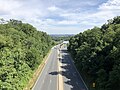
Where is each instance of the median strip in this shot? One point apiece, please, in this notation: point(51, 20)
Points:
point(60, 77)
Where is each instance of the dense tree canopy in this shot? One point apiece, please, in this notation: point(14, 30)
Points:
point(61, 37)
point(22, 48)
point(96, 52)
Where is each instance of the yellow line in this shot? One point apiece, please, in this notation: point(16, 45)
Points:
point(57, 70)
point(60, 77)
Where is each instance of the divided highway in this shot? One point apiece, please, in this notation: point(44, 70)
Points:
point(59, 73)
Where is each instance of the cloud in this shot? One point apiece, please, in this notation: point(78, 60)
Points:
point(7, 7)
point(21, 8)
point(53, 8)
point(59, 15)
point(110, 5)
point(65, 22)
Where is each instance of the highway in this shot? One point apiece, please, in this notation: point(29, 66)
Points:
point(59, 73)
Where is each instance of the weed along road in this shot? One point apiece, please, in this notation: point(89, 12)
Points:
point(59, 73)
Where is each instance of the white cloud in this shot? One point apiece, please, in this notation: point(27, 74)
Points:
point(8, 6)
point(68, 15)
point(67, 22)
point(53, 8)
point(111, 5)
point(22, 8)
point(76, 15)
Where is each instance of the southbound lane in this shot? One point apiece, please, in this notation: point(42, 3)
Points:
point(46, 80)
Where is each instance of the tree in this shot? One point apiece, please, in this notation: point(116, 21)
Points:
point(96, 53)
point(22, 49)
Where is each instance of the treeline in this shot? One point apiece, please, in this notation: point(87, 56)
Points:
point(96, 53)
point(22, 49)
point(58, 38)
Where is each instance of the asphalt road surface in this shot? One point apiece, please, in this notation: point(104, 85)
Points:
point(71, 78)
point(48, 79)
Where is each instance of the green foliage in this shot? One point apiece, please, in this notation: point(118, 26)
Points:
point(22, 48)
point(59, 38)
point(96, 52)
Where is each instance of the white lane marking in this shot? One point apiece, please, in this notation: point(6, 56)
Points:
point(49, 84)
point(50, 80)
point(43, 81)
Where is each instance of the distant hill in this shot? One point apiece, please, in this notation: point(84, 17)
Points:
point(61, 37)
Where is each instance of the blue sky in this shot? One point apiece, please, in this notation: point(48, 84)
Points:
point(60, 16)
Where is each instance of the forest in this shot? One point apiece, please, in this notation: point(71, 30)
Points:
point(22, 49)
point(96, 53)
point(61, 37)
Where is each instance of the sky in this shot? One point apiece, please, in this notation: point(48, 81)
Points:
point(60, 16)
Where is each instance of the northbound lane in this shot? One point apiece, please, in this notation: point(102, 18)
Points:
point(71, 78)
